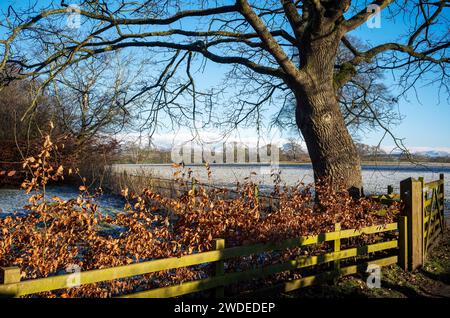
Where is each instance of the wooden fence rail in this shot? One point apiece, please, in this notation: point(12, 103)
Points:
point(13, 287)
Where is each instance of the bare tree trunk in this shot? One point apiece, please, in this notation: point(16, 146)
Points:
point(331, 149)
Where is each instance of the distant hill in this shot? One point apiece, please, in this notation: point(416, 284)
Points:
point(432, 153)
point(292, 152)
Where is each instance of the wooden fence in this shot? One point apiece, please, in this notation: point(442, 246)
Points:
point(171, 188)
point(12, 286)
point(405, 243)
point(424, 207)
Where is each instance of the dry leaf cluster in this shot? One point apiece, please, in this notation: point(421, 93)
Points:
point(56, 233)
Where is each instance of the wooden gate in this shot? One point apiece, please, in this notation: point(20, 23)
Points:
point(433, 212)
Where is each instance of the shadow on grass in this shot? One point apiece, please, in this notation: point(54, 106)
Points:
point(442, 277)
point(405, 290)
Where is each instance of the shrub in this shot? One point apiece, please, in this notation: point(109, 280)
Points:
point(56, 233)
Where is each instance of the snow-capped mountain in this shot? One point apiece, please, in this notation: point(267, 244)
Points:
point(433, 153)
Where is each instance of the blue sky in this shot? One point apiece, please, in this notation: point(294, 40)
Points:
point(426, 121)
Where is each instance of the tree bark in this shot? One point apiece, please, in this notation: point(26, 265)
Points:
point(331, 149)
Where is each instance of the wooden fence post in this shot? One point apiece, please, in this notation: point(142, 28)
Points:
point(257, 195)
point(193, 186)
point(9, 275)
point(390, 189)
point(219, 244)
point(337, 248)
point(411, 196)
point(403, 242)
point(172, 190)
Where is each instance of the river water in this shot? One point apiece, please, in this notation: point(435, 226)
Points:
point(376, 178)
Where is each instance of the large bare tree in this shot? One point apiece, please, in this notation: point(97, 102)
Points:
point(287, 45)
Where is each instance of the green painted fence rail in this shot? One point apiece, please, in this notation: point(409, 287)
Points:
point(231, 278)
point(323, 277)
point(388, 197)
point(13, 287)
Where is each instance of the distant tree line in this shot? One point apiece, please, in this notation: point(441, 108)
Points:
point(291, 151)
